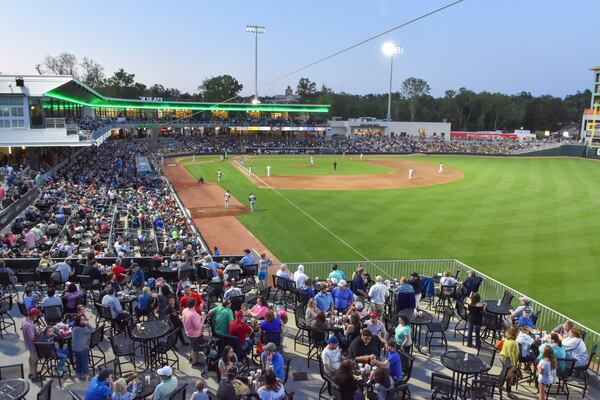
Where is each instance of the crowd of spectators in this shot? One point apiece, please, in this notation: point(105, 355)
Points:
point(97, 192)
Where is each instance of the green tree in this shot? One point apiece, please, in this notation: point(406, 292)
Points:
point(412, 90)
point(306, 88)
point(123, 85)
point(93, 73)
point(220, 88)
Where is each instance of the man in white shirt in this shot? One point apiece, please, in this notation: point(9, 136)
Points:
point(231, 291)
point(576, 348)
point(300, 277)
point(378, 294)
point(331, 356)
point(525, 341)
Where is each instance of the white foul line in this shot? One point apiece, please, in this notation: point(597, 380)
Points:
point(313, 219)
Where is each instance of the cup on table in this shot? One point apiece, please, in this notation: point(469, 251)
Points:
point(147, 379)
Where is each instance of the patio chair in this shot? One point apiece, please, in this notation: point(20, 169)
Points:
point(439, 328)
point(5, 307)
point(441, 385)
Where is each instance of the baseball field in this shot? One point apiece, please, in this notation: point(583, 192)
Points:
point(528, 222)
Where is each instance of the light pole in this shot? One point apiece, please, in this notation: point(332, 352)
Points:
point(389, 49)
point(256, 30)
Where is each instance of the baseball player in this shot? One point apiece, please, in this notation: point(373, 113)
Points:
point(242, 160)
point(410, 174)
point(252, 200)
point(227, 198)
point(441, 169)
point(312, 161)
point(268, 170)
point(194, 157)
point(250, 170)
point(335, 165)
point(361, 156)
point(219, 175)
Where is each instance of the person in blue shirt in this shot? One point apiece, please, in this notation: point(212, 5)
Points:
point(359, 288)
point(324, 299)
point(272, 360)
point(212, 265)
point(392, 362)
point(29, 299)
point(336, 273)
point(526, 318)
point(137, 275)
point(248, 259)
point(308, 288)
point(144, 300)
point(100, 388)
point(342, 296)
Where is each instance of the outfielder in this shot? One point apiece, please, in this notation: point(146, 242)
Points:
point(219, 175)
point(268, 170)
point(312, 161)
point(361, 156)
point(441, 169)
point(252, 199)
point(227, 198)
point(410, 174)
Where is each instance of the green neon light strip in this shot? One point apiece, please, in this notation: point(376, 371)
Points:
point(167, 106)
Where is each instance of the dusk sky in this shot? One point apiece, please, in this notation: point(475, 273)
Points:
point(508, 46)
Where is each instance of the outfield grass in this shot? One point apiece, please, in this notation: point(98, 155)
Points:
point(527, 222)
point(300, 166)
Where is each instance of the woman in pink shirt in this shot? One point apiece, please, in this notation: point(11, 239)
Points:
point(193, 325)
point(260, 308)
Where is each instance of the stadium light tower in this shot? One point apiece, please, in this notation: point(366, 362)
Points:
point(389, 49)
point(256, 30)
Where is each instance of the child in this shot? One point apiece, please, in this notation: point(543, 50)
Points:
point(200, 393)
point(29, 299)
point(121, 392)
point(547, 371)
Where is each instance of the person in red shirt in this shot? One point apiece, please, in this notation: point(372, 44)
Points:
point(241, 330)
point(119, 271)
point(189, 293)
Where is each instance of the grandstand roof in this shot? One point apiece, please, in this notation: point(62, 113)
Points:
point(69, 89)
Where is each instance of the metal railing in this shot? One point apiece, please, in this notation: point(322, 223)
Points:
point(491, 289)
point(54, 123)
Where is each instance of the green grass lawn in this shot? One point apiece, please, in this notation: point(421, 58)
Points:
point(199, 158)
point(529, 223)
point(300, 166)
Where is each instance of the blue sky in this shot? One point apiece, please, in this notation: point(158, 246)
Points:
point(504, 45)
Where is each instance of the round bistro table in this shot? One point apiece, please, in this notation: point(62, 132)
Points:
point(148, 338)
point(462, 368)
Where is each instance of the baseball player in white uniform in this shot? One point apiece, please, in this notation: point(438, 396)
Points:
point(268, 170)
point(312, 161)
point(252, 200)
point(219, 175)
point(250, 170)
point(361, 156)
point(441, 169)
point(227, 198)
point(410, 174)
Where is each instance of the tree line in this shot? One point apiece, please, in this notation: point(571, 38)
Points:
point(464, 108)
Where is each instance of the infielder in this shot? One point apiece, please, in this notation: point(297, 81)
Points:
point(194, 157)
point(227, 198)
point(252, 199)
point(312, 161)
point(361, 156)
point(268, 170)
point(410, 174)
point(219, 175)
point(250, 170)
point(441, 169)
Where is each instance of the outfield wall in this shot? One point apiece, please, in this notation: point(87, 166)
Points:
point(569, 150)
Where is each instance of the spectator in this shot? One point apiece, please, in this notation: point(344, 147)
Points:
point(300, 277)
point(272, 389)
point(70, 298)
point(376, 327)
point(200, 393)
point(393, 363)
point(80, 344)
point(229, 388)
point(359, 288)
point(271, 326)
point(346, 382)
point(576, 348)
point(475, 319)
point(247, 259)
point(5, 270)
point(331, 356)
point(101, 387)
point(263, 268)
point(222, 317)
point(546, 371)
point(362, 348)
point(308, 288)
point(272, 360)
point(231, 266)
point(30, 334)
point(168, 384)
point(342, 296)
point(336, 274)
point(193, 325)
point(378, 293)
point(119, 271)
point(113, 303)
point(447, 279)
point(510, 353)
point(471, 284)
point(137, 276)
point(564, 330)
point(403, 334)
point(228, 359)
point(121, 392)
point(51, 299)
point(382, 382)
point(311, 311)
point(231, 291)
point(242, 331)
point(417, 284)
point(516, 313)
point(190, 292)
point(260, 308)
point(144, 304)
point(29, 299)
point(324, 299)
point(526, 319)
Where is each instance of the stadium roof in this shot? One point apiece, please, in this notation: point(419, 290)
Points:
point(71, 90)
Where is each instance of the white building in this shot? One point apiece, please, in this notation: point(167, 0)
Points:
point(372, 126)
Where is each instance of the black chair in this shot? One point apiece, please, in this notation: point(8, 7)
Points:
point(445, 298)
point(490, 382)
point(53, 314)
point(45, 392)
point(233, 275)
point(179, 394)
point(439, 328)
point(5, 307)
point(216, 292)
point(441, 385)
point(22, 308)
point(461, 310)
point(104, 316)
point(487, 355)
point(271, 337)
point(507, 298)
point(87, 283)
point(97, 360)
point(247, 287)
point(316, 343)
point(236, 302)
point(48, 359)
point(492, 327)
point(286, 375)
point(581, 372)
point(302, 328)
point(264, 293)
point(122, 346)
point(398, 392)
point(327, 381)
point(407, 366)
point(6, 284)
point(26, 279)
point(563, 377)
point(14, 371)
point(161, 352)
